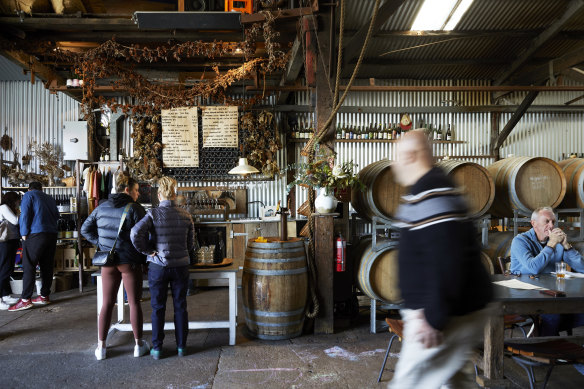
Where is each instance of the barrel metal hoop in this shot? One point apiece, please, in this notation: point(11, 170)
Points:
point(276, 260)
point(274, 314)
point(278, 245)
point(275, 272)
point(364, 281)
point(263, 324)
point(280, 250)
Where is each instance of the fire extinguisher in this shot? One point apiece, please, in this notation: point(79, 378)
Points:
point(341, 253)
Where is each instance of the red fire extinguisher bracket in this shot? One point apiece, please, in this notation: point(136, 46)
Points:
point(341, 254)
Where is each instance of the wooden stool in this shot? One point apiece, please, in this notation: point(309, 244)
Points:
point(549, 353)
point(397, 327)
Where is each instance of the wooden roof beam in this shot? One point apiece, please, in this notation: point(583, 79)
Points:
point(542, 72)
point(292, 69)
point(573, 8)
point(353, 46)
point(37, 68)
point(517, 115)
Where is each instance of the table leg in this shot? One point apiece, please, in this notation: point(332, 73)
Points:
point(232, 307)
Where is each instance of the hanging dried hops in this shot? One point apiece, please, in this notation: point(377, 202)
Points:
point(6, 141)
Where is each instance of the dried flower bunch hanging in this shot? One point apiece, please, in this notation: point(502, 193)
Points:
point(50, 158)
point(6, 141)
point(146, 164)
point(116, 61)
point(262, 141)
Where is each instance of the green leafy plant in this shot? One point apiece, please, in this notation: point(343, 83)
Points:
point(324, 173)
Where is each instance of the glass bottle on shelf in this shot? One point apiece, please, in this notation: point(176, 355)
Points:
point(449, 133)
point(73, 228)
point(68, 229)
point(343, 132)
point(60, 228)
point(379, 131)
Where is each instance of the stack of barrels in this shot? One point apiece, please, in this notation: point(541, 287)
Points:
point(514, 183)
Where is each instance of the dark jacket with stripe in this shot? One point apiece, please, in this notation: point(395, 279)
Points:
point(168, 231)
point(101, 228)
point(440, 269)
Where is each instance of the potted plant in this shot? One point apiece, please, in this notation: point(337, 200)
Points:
point(326, 176)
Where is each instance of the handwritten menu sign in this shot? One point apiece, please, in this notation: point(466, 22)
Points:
point(220, 126)
point(180, 137)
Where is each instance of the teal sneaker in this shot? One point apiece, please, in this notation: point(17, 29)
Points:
point(155, 354)
point(182, 352)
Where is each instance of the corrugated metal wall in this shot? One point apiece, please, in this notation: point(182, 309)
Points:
point(29, 112)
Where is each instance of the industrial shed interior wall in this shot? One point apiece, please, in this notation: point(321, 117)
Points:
point(29, 112)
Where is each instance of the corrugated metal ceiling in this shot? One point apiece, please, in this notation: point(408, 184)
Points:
point(497, 32)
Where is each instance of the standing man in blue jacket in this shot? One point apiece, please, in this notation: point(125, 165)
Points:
point(38, 228)
point(537, 251)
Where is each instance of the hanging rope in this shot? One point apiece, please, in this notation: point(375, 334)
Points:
point(312, 279)
point(321, 132)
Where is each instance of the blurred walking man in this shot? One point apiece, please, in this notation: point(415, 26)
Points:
point(443, 283)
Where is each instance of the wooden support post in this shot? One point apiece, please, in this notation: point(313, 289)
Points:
point(493, 149)
point(493, 357)
point(324, 258)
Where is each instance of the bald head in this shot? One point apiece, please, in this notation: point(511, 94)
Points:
point(414, 157)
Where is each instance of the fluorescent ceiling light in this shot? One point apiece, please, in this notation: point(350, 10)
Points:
point(440, 14)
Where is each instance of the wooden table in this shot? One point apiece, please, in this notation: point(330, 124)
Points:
point(229, 272)
point(523, 302)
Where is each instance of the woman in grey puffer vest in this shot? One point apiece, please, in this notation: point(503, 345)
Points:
point(166, 235)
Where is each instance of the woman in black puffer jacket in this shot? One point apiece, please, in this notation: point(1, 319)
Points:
point(101, 229)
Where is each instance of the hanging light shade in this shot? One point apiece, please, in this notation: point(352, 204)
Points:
point(243, 168)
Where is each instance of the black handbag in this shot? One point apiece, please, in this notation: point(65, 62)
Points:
point(108, 258)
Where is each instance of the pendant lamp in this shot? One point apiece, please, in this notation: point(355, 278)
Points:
point(243, 168)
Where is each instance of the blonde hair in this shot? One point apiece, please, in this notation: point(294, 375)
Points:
point(125, 181)
point(167, 187)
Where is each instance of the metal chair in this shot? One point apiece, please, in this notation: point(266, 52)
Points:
point(397, 327)
point(548, 353)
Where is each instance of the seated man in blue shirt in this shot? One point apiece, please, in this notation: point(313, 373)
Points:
point(537, 251)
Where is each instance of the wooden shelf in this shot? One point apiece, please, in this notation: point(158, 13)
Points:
point(44, 187)
point(293, 140)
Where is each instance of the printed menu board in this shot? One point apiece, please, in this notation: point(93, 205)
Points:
point(220, 126)
point(180, 137)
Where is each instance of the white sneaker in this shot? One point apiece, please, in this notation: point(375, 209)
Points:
point(10, 300)
point(4, 306)
point(100, 353)
point(141, 350)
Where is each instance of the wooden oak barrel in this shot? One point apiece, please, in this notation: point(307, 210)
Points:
point(377, 271)
point(499, 246)
point(274, 288)
point(525, 183)
point(487, 263)
point(574, 172)
point(382, 194)
point(475, 182)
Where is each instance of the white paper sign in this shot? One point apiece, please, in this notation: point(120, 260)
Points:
point(220, 125)
point(180, 137)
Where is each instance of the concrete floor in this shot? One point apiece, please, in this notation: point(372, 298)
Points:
point(52, 347)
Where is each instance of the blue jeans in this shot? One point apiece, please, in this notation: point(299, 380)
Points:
point(158, 279)
point(552, 324)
